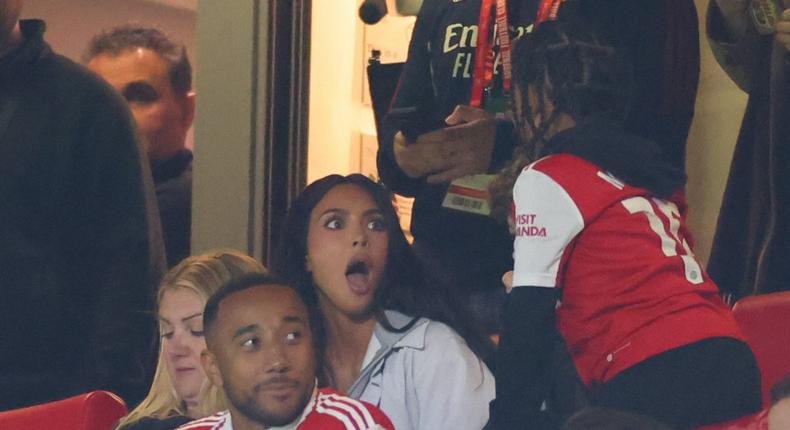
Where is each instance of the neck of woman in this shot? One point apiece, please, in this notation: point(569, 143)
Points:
point(347, 343)
point(191, 409)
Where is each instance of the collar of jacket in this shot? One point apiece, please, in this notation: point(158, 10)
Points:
point(32, 49)
point(638, 161)
point(413, 337)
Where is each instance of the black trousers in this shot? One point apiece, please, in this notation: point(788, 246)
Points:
point(706, 382)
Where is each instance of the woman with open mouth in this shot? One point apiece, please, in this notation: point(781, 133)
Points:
point(387, 334)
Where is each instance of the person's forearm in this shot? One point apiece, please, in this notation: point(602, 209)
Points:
point(389, 171)
point(523, 358)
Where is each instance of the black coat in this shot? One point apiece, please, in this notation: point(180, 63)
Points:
point(80, 249)
point(752, 242)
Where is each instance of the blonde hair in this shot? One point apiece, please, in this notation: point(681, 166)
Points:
point(203, 274)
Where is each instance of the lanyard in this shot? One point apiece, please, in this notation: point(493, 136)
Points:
point(548, 10)
point(484, 54)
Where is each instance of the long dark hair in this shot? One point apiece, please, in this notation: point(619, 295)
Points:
point(406, 286)
point(582, 75)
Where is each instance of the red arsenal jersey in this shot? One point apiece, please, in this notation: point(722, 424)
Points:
point(631, 286)
point(328, 410)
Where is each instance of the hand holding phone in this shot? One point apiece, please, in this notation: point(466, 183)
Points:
point(414, 121)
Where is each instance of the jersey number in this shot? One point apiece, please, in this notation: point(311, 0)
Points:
point(671, 239)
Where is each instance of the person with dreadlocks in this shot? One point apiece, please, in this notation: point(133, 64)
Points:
point(599, 222)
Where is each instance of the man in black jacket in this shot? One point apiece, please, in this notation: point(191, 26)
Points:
point(80, 248)
point(153, 74)
point(453, 232)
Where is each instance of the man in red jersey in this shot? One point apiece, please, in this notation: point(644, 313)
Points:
point(261, 352)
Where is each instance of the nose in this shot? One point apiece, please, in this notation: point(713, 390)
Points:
point(360, 236)
point(278, 361)
point(176, 345)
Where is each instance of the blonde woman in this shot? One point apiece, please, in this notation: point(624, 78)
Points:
point(180, 391)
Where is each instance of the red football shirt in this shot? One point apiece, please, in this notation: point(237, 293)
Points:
point(328, 410)
point(631, 286)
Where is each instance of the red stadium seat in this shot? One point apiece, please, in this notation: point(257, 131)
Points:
point(97, 410)
point(764, 320)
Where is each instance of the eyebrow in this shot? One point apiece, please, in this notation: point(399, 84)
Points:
point(293, 319)
point(163, 319)
point(192, 316)
point(244, 330)
point(331, 210)
point(138, 83)
point(370, 211)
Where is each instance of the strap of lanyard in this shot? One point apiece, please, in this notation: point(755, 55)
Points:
point(482, 54)
point(548, 10)
point(483, 72)
point(505, 46)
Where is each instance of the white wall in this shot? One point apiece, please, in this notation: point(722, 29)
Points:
point(72, 23)
point(228, 185)
point(335, 88)
point(719, 109)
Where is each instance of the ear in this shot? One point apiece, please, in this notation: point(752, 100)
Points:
point(210, 368)
point(188, 109)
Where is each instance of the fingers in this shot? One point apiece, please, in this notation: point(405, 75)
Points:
point(465, 113)
point(424, 157)
point(783, 29)
point(410, 159)
point(507, 281)
point(400, 139)
point(436, 137)
point(784, 39)
point(461, 131)
point(456, 117)
point(462, 158)
point(474, 129)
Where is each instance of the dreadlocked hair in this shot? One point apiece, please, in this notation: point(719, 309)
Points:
point(580, 74)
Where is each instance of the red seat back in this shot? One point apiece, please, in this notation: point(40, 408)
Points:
point(765, 321)
point(97, 410)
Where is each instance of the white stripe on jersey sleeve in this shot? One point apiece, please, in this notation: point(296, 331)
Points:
point(338, 414)
point(356, 406)
point(547, 220)
point(212, 422)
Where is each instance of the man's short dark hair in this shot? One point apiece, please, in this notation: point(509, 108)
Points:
point(117, 40)
point(241, 284)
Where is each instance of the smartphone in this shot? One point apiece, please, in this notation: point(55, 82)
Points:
point(413, 121)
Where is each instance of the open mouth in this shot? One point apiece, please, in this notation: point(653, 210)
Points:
point(358, 276)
